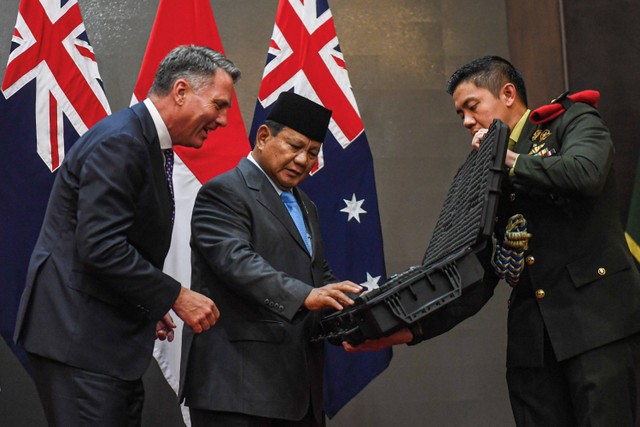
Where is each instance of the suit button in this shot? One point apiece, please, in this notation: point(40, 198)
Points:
point(267, 301)
point(509, 303)
point(602, 271)
point(540, 293)
point(530, 260)
point(512, 197)
point(281, 308)
point(271, 304)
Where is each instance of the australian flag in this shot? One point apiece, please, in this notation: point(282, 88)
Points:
point(305, 57)
point(51, 94)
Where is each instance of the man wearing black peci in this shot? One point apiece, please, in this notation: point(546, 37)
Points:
point(257, 251)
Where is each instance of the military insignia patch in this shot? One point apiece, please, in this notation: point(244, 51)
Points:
point(535, 149)
point(541, 135)
point(545, 134)
point(546, 152)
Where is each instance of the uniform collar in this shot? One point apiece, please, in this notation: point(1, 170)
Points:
point(517, 129)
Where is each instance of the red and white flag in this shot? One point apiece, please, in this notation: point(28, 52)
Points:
point(181, 23)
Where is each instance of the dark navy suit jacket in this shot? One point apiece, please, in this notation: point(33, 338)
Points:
point(95, 288)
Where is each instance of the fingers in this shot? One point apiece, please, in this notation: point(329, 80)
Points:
point(200, 326)
point(164, 328)
point(333, 299)
point(478, 137)
point(331, 296)
point(338, 292)
point(168, 320)
point(349, 348)
point(210, 318)
point(346, 286)
point(401, 336)
point(196, 310)
point(367, 345)
point(215, 312)
point(206, 317)
point(166, 335)
point(161, 334)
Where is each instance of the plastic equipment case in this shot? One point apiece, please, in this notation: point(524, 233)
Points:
point(449, 264)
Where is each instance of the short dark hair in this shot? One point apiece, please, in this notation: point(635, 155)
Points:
point(196, 64)
point(491, 73)
point(274, 127)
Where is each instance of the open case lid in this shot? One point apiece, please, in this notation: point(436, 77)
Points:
point(450, 265)
point(467, 216)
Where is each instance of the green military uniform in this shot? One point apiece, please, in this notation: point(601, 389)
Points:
point(579, 289)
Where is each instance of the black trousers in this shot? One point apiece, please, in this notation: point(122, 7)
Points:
point(205, 418)
point(598, 388)
point(73, 397)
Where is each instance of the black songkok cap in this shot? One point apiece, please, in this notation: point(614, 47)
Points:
point(302, 115)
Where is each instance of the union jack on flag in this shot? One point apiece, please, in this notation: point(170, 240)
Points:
point(305, 57)
point(51, 94)
point(50, 45)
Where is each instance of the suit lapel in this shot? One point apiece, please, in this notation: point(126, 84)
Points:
point(267, 196)
point(150, 135)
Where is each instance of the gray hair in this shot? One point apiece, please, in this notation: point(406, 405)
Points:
point(195, 64)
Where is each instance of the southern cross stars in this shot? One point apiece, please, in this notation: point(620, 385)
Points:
point(372, 282)
point(354, 208)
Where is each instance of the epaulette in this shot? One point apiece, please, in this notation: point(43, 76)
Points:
point(546, 113)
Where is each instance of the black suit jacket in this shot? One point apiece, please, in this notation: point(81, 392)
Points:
point(95, 288)
point(248, 256)
point(577, 254)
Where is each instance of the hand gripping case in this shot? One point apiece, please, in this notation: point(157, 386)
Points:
point(449, 265)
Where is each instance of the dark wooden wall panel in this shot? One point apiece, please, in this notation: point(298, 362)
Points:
point(535, 45)
point(603, 51)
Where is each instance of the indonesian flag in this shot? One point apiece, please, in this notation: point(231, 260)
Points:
point(180, 23)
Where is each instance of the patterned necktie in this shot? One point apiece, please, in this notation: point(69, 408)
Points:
point(168, 170)
point(296, 214)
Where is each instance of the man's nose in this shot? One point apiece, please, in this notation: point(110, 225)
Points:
point(301, 158)
point(222, 118)
point(468, 121)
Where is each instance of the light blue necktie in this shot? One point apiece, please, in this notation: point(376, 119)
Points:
point(296, 214)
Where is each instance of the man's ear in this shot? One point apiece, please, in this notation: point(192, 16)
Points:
point(508, 94)
point(262, 136)
point(179, 91)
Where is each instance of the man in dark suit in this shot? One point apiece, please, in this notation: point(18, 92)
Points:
point(268, 275)
point(573, 355)
point(96, 296)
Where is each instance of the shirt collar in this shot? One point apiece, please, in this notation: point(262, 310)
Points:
point(252, 160)
point(161, 127)
point(517, 129)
